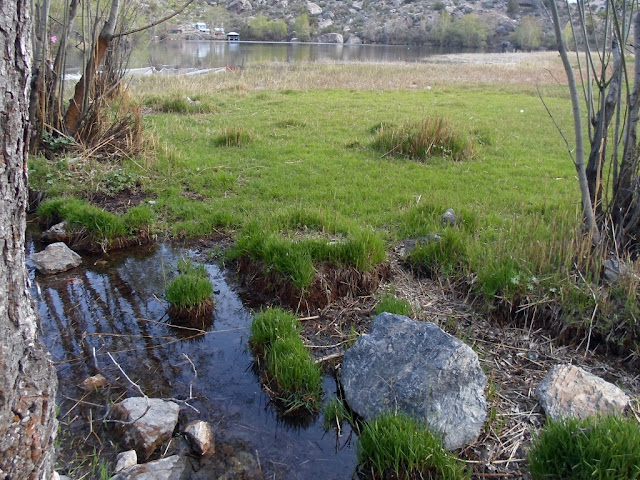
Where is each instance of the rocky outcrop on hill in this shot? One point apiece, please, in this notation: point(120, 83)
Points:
point(375, 21)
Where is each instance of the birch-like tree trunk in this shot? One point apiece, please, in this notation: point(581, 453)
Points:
point(27, 378)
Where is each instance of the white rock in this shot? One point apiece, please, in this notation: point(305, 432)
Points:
point(570, 391)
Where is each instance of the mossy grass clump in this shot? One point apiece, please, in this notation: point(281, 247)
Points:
point(296, 257)
point(390, 303)
point(397, 446)
point(290, 371)
point(606, 448)
point(431, 137)
point(189, 293)
point(103, 227)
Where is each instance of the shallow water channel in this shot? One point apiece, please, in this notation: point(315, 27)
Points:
point(114, 304)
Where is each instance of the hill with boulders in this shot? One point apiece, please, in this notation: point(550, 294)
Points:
point(480, 23)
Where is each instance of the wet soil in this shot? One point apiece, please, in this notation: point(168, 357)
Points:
point(115, 304)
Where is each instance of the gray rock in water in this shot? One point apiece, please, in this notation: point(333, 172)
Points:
point(170, 468)
point(449, 218)
point(200, 437)
point(570, 391)
point(153, 423)
point(331, 38)
point(354, 40)
point(57, 233)
point(56, 258)
point(415, 367)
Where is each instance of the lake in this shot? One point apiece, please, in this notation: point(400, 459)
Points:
point(213, 54)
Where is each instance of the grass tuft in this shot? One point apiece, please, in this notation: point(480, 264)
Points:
point(432, 137)
point(391, 304)
point(397, 446)
point(293, 375)
point(189, 293)
point(607, 448)
point(232, 137)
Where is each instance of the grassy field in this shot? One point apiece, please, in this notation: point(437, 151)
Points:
point(288, 150)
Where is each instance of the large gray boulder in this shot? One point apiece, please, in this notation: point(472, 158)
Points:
point(149, 422)
point(313, 8)
point(414, 367)
point(331, 38)
point(170, 468)
point(570, 391)
point(56, 258)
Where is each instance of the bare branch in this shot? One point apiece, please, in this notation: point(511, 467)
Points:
point(158, 22)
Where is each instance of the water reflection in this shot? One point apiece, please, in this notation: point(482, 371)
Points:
point(212, 54)
point(117, 306)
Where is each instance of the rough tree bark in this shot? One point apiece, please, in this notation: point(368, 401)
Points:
point(77, 104)
point(27, 378)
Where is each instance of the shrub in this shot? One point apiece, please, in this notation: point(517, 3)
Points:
point(607, 448)
point(528, 33)
point(396, 444)
point(420, 141)
point(189, 293)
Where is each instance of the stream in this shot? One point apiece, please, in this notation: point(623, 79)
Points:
point(114, 304)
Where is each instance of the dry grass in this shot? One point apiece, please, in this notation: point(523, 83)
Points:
point(521, 70)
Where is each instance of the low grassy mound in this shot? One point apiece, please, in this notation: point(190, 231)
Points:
point(606, 448)
point(397, 447)
point(422, 140)
point(289, 372)
point(94, 229)
point(309, 270)
point(189, 294)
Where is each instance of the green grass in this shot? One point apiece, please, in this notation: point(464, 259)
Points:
point(295, 377)
point(421, 140)
point(104, 226)
point(392, 304)
point(309, 187)
point(606, 448)
point(335, 413)
point(190, 288)
point(295, 257)
point(396, 446)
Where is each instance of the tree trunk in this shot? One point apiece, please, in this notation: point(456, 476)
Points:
point(27, 378)
point(77, 105)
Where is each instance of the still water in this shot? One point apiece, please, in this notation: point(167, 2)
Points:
point(115, 305)
point(213, 54)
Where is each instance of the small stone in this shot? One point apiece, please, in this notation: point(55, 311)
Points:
point(200, 437)
point(57, 233)
point(93, 383)
point(126, 460)
point(153, 423)
point(448, 218)
point(170, 468)
point(56, 258)
point(570, 391)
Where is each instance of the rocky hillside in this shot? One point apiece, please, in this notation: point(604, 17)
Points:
point(372, 21)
